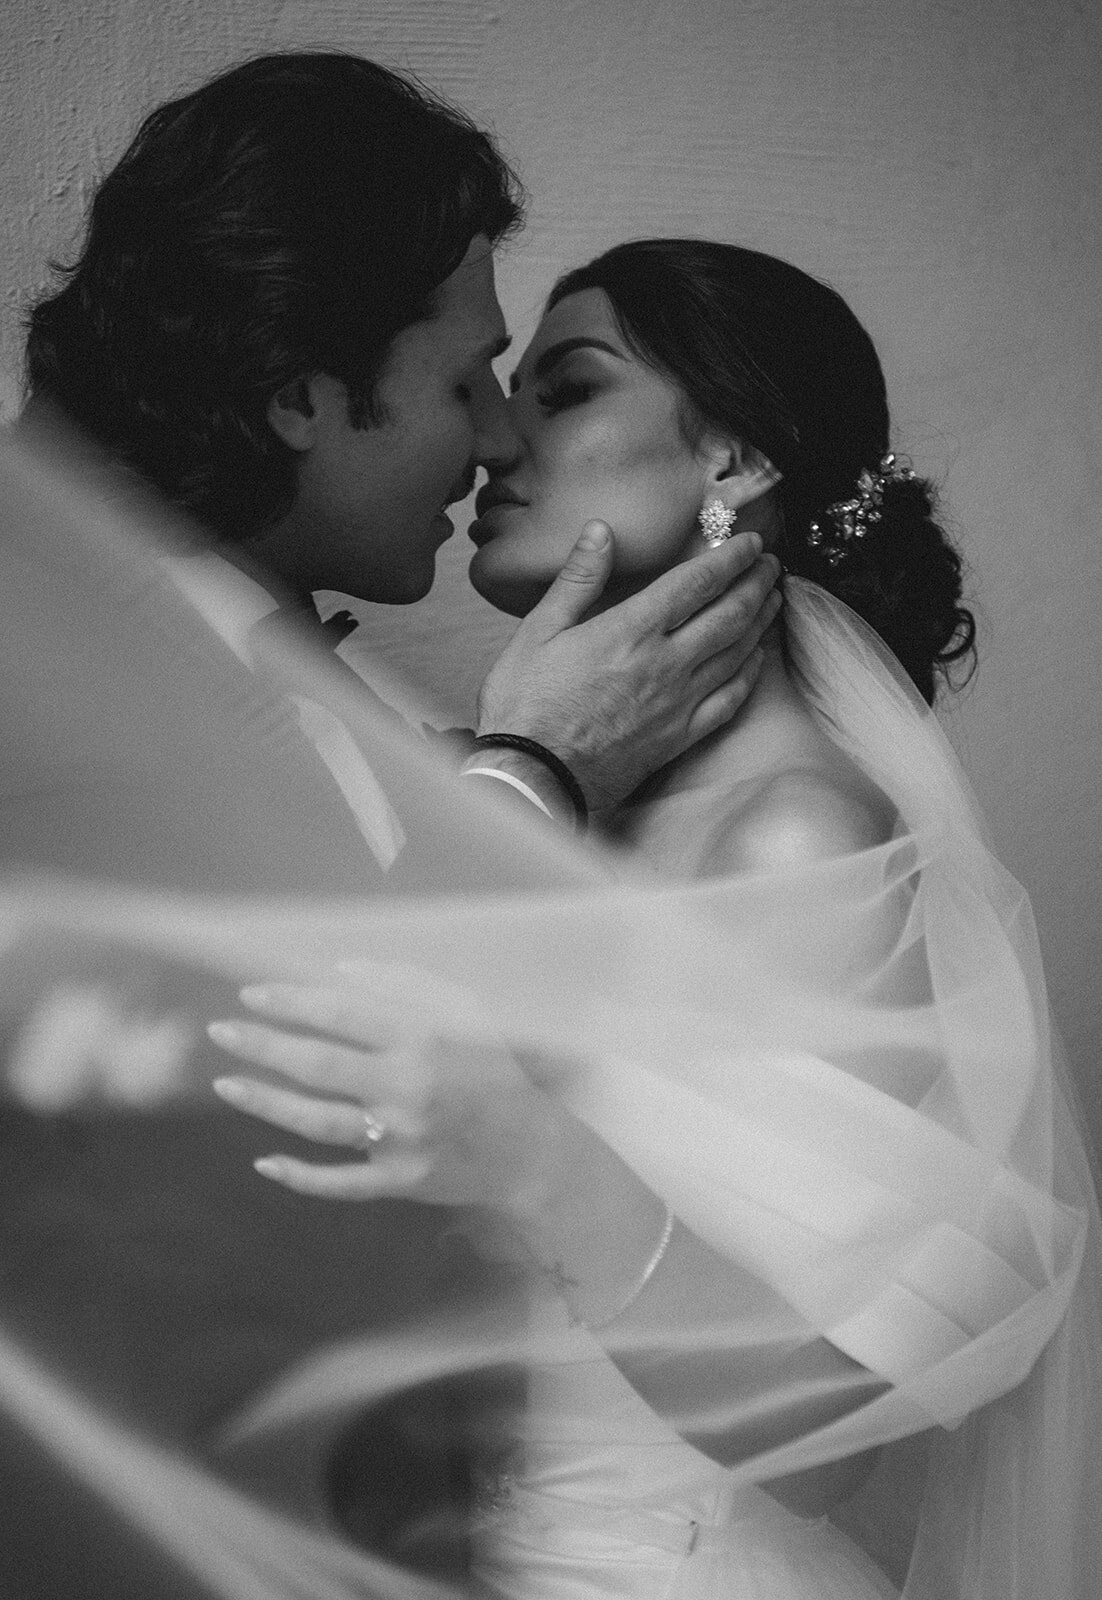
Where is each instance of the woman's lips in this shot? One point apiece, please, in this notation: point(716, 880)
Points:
point(482, 528)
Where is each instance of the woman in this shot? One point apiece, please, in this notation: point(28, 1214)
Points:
point(810, 1206)
point(674, 380)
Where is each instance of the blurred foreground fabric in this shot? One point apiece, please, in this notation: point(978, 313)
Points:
point(842, 1078)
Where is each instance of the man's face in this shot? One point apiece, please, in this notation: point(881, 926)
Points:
point(368, 516)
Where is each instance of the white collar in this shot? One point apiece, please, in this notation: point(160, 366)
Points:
point(227, 599)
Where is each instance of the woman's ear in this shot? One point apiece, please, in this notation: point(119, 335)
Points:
point(739, 474)
point(292, 415)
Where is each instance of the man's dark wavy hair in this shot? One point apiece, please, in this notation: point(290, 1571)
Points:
point(289, 217)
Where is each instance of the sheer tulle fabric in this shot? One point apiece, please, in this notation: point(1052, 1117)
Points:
point(842, 1077)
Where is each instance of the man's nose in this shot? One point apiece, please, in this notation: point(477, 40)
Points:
point(497, 442)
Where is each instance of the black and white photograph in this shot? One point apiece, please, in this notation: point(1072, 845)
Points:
point(550, 839)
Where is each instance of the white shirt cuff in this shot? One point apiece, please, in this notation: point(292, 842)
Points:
point(514, 783)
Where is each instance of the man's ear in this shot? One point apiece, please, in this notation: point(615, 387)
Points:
point(292, 415)
point(739, 474)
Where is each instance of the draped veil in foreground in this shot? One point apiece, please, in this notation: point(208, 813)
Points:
point(908, 1174)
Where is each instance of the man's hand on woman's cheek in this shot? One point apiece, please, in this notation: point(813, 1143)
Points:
point(618, 695)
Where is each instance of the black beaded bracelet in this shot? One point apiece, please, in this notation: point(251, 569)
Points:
point(558, 769)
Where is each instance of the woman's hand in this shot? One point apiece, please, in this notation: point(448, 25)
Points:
point(446, 1119)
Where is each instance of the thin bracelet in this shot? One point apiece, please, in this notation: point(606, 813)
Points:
point(641, 1282)
point(557, 768)
point(514, 783)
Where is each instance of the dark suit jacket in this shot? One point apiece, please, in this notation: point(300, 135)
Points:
point(144, 1260)
point(139, 1253)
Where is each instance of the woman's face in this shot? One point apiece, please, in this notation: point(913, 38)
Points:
point(599, 435)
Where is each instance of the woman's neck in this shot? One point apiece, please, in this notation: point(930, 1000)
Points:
point(773, 730)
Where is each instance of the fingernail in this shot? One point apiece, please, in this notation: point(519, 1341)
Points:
point(224, 1033)
point(594, 536)
point(268, 1166)
point(755, 541)
point(229, 1089)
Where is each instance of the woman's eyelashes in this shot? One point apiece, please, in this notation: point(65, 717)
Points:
point(563, 394)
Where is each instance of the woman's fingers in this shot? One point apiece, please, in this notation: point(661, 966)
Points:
point(415, 999)
point(388, 1136)
point(326, 1121)
point(320, 1063)
point(342, 1181)
point(343, 1009)
point(377, 1007)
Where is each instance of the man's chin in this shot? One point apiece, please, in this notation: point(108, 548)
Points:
point(403, 588)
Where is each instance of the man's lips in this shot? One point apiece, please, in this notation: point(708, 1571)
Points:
point(495, 494)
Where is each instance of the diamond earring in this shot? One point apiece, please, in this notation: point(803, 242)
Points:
point(717, 521)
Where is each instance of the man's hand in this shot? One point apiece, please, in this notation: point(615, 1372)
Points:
point(619, 695)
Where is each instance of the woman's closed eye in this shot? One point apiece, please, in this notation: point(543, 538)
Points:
point(562, 395)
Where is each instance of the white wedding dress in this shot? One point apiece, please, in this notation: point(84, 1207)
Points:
point(606, 1502)
point(604, 1499)
point(906, 1176)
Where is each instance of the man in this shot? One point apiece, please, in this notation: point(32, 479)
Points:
point(284, 318)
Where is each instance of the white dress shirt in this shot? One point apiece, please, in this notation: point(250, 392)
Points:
point(233, 604)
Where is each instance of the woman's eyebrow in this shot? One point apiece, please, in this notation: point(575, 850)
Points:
point(555, 353)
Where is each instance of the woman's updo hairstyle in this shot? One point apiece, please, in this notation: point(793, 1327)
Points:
point(766, 353)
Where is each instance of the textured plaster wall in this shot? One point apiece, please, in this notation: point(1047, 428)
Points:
point(936, 160)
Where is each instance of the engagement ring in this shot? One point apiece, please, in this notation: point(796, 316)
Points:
point(370, 1133)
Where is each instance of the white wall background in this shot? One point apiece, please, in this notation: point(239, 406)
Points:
point(936, 160)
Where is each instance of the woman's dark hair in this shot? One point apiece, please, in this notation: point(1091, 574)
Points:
point(289, 217)
point(765, 352)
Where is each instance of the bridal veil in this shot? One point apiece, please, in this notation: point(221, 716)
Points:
point(844, 1077)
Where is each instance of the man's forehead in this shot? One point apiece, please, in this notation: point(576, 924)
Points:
point(469, 313)
point(469, 343)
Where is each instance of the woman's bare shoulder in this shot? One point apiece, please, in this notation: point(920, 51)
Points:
point(801, 815)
